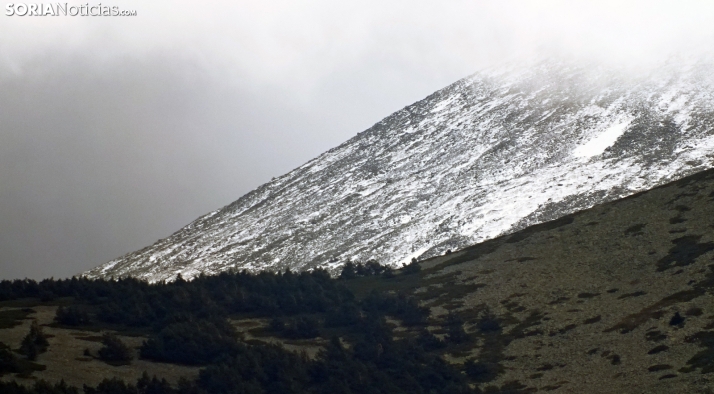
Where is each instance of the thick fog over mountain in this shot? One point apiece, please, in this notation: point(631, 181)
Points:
point(117, 131)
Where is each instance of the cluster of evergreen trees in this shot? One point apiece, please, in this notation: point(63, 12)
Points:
point(192, 341)
point(114, 351)
point(8, 360)
point(187, 323)
point(34, 343)
point(352, 270)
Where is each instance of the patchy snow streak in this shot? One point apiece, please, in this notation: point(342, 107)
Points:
point(600, 142)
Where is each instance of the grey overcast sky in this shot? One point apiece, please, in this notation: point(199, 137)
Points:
point(117, 131)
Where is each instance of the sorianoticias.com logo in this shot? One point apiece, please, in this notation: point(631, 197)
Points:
point(64, 9)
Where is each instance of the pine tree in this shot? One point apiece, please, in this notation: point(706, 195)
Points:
point(34, 343)
point(8, 361)
point(455, 329)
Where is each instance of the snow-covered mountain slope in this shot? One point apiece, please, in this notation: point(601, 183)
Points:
point(489, 154)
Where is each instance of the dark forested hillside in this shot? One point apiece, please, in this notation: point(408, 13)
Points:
point(190, 323)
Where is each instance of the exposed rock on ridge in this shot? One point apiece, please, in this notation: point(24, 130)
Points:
point(487, 155)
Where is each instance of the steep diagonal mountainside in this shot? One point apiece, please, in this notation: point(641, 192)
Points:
point(487, 155)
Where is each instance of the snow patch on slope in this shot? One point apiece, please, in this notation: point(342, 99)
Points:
point(602, 141)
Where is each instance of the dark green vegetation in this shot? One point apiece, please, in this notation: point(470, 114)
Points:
point(114, 350)
point(617, 298)
point(13, 317)
point(11, 363)
point(189, 323)
point(34, 343)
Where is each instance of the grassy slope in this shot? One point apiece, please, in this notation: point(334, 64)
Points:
point(65, 357)
point(584, 300)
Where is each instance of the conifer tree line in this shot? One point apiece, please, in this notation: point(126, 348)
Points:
point(188, 322)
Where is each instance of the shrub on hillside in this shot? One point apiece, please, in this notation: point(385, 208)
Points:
point(489, 323)
point(114, 350)
point(429, 341)
point(191, 342)
point(348, 271)
point(411, 268)
point(480, 371)
point(8, 361)
point(34, 343)
point(40, 387)
point(401, 306)
point(455, 329)
point(345, 315)
point(72, 316)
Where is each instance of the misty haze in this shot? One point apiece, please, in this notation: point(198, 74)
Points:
point(397, 197)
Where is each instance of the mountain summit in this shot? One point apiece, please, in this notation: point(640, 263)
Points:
point(490, 154)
